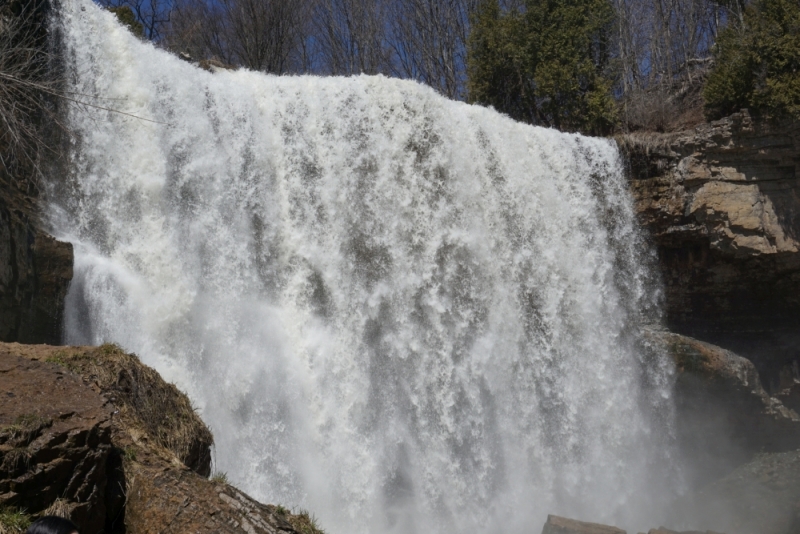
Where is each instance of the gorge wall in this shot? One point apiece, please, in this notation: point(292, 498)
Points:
point(35, 269)
point(722, 203)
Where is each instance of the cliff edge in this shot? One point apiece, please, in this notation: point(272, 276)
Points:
point(722, 203)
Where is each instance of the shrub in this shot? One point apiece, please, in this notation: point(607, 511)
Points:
point(757, 63)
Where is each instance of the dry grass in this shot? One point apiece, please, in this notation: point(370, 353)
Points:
point(23, 430)
point(159, 408)
point(59, 508)
point(300, 520)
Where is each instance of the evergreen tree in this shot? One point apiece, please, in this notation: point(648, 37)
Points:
point(757, 62)
point(128, 18)
point(544, 65)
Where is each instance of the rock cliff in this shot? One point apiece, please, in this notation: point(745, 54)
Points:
point(722, 203)
point(35, 271)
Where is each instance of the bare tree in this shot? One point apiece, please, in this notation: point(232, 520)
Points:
point(27, 87)
point(264, 35)
point(351, 36)
point(663, 50)
point(153, 15)
point(429, 38)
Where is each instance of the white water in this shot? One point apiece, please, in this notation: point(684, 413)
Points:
point(401, 312)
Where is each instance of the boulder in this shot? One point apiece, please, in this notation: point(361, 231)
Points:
point(722, 203)
point(562, 525)
point(92, 434)
point(723, 414)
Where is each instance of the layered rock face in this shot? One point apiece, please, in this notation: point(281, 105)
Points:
point(722, 203)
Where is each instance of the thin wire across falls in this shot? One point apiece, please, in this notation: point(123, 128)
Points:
point(401, 312)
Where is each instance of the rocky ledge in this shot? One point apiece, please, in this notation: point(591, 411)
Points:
point(722, 203)
point(92, 434)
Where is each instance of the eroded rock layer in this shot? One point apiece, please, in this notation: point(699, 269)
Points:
point(723, 205)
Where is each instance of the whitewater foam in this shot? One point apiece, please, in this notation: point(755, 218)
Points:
point(404, 313)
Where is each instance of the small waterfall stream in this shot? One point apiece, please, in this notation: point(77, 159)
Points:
point(403, 313)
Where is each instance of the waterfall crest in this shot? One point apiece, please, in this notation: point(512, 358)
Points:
point(404, 313)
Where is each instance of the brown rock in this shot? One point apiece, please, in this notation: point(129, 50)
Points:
point(722, 203)
point(562, 525)
point(55, 441)
point(179, 501)
point(723, 414)
point(93, 432)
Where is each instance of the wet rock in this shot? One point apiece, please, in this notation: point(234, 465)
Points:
point(723, 414)
point(35, 271)
point(663, 530)
point(562, 525)
point(722, 203)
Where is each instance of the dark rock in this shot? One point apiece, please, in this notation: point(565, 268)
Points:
point(723, 414)
point(35, 271)
point(722, 203)
point(562, 525)
point(760, 497)
point(790, 396)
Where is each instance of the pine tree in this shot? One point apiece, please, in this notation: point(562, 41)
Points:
point(757, 63)
point(545, 65)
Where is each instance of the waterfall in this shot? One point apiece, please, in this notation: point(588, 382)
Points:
point(403, 313)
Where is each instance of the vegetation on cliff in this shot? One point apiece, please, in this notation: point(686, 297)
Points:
point(757, 63)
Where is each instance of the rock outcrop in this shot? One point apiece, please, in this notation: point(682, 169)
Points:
point(35, 271)
point(722, 203)
point(563, 525)
point(723, 414)
point(94, 435)
point(55, 442)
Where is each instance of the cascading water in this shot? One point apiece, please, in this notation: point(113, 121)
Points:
point(404, 313)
